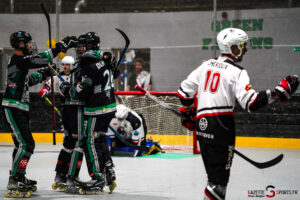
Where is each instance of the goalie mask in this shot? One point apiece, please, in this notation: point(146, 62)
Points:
point(22, 40)
point(232, 36)
point(122, 112)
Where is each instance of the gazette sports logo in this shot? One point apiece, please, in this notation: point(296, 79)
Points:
point(271, 192)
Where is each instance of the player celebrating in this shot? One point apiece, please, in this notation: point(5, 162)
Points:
point(219, 83)
point(97, 90)
point(16, 103)
point(70, 157)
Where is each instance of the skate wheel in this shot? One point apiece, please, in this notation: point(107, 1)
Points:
point(27, 195)
point(62, 188)
point(112, 187)
point(34, 188)
point(14, 194)
point(21, 195)
point(7, 194)
point(54, 186)
point(80, 191)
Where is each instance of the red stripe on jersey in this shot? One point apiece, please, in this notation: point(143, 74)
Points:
point(184, 98)
point(253, 103)
point(215, 114)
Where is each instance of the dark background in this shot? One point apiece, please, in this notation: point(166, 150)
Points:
point(276, 120)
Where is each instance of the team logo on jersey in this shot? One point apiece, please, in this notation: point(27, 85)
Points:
point(248, 87)
point(203, 123)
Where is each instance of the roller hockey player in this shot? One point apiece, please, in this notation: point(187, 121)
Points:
point(131, 126)
point(16, 104)
point(70, 157)
point(97, 91)
point(219, 83)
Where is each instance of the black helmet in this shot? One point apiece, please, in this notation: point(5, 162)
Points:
point(90, 40)
point(20, 36)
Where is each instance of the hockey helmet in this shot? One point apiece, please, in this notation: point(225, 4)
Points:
point(90, 40)
point(122, 112)
point(21, 36)
point(232, 36)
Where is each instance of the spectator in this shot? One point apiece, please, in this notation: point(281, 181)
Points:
point(140, 77)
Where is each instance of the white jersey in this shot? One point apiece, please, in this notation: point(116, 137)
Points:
point(57, 81)
point(132, 127)
point(218, 84)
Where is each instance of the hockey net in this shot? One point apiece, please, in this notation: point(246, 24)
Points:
point(162, 124)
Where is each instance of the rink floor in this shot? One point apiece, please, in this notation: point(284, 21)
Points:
point(168, 177)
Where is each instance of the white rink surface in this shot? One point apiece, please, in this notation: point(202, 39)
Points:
point(155, 178)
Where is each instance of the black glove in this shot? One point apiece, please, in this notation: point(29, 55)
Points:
point(287, 87)
point(67, 43)
point(65, 88)
point(46, 71)
point(110, 60)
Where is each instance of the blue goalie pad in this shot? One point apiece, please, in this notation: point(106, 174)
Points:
point(122, 150)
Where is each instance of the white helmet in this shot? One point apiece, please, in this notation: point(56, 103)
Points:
point(122, 111)
point(231, 36)
point(69, 60)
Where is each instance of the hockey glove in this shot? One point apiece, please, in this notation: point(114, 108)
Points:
point(46, 71)
point(67, 43)
point(110, 60)
point(64, 88)
point(287, 87)
point(190, 116)
point(45, 90)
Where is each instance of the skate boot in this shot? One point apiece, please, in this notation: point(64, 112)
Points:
point(59, 182)
point(73, 185)
point(110, 177)
point(94, 186)
point(32, 183)
point(19, 187)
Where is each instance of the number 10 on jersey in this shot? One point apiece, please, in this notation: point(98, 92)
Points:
point(212, 81)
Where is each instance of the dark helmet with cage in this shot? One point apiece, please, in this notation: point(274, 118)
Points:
point(22, 40)
point(88, 41)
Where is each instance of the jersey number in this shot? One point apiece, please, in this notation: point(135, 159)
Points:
point(212, 81)
point(110, 80)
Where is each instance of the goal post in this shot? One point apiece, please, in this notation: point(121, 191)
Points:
point(162, 124)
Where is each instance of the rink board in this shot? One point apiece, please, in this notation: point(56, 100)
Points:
point(286, 143)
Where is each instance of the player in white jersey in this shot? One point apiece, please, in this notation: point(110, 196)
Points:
point(218, 84)
point(129, 124)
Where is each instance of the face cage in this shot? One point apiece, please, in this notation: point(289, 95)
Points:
point(29, 50)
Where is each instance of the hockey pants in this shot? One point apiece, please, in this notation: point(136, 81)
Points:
point(18, 121)
point(71, 155)
point(217, 161)
point(95, 144)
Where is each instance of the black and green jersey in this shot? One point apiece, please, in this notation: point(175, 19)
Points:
point(18, 80)
point(97, 84)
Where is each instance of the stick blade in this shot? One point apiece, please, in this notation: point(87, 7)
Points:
point(125, 37)
point(45, 11)
point(270, 163)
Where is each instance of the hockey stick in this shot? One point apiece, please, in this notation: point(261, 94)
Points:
point(56, 109)
point(127, 42)
point(158, 101)
point(143, 148)
point(52, 85)
point(259, 165)
point(56, 73)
